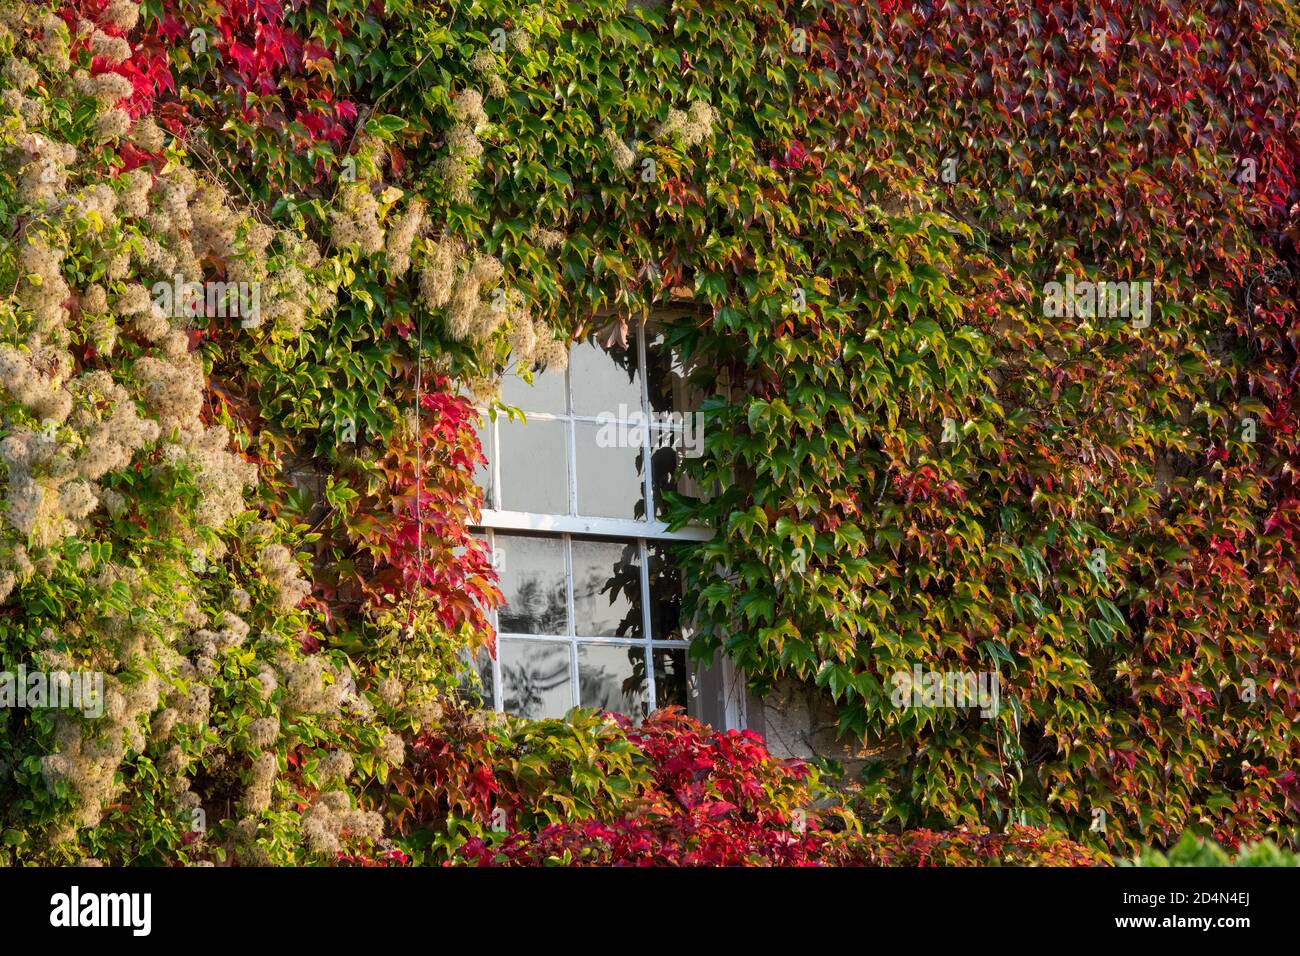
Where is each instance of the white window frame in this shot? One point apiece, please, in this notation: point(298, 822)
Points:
point(641, 533)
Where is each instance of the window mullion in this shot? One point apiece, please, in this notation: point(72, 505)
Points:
point(571, 438)
point(647, 478)
point(494, 437)
point(571, 630)
point(645, 625)
point(647, 484)
point(498, 702)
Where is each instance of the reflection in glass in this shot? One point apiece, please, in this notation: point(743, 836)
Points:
point(671, 681)
point(604, 380)
point(483, 665)
point(534, 466)
point(535, 678)
point(606, 589)
point(546, 394)
point(665, 462)
point(531, 571)
point(666, 380)
point(609, 479)
point(612, 677)
point(476, 681)
point(665, 593)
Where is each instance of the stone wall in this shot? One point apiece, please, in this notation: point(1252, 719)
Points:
point(798, 720)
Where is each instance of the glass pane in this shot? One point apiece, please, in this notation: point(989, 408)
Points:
point(483, 472)
point(606, 589)
point(665, 594)
point(605, 382)
point(666, 380)
point(476, 681)
point(535, 678)
point(669, 451)
point(532, 582)
point(483, 663)
point(609, 478)
point(671, 683)
point(707, 693)
point(611, 677)
point(534, 466)
point(546, 394)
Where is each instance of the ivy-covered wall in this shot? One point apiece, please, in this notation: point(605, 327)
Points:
point(930, 457)
point(940, 465)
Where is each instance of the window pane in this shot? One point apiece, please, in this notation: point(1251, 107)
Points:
point(604, 380)
point(476, 682)
point(483, 472)
point(612, 678)
point(665, 467)
point(606, 589)
point(666, 380)
point(532, 573)
point(535, 678)
point(546, 394)
point(665, 593)
point(707, 693)
point(671, 684)
point(534, 466)
point(609, 479)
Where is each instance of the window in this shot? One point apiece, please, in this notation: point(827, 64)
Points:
point(573, 515)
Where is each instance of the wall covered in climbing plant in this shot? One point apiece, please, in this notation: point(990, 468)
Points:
point(995, 305)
